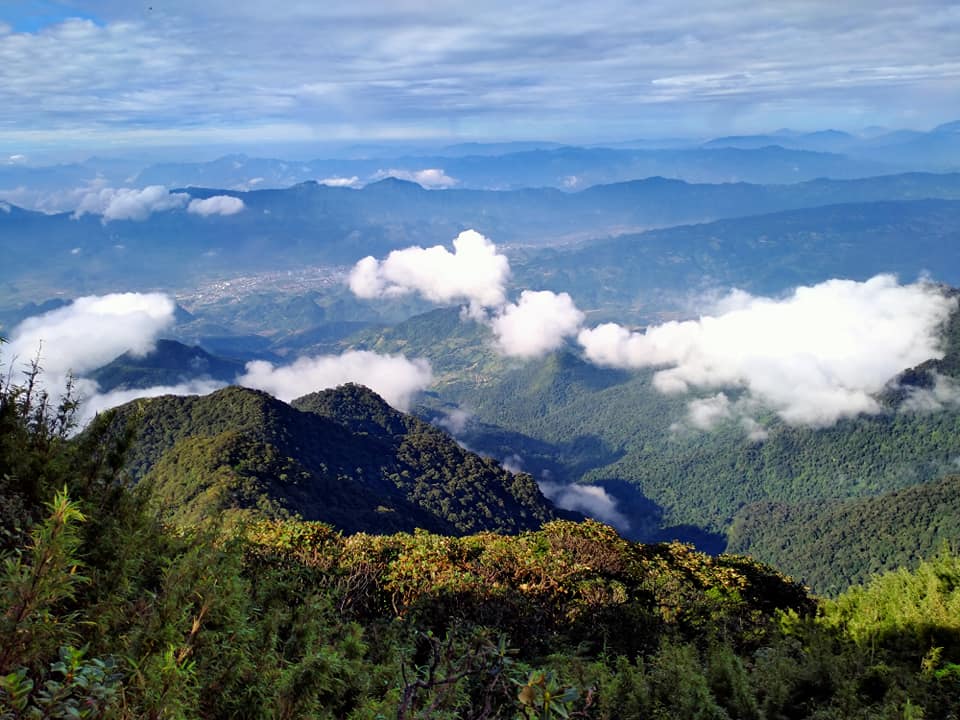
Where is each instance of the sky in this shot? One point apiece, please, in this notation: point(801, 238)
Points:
point(129, 73)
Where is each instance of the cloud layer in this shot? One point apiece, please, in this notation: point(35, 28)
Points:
point(590, 500)
point(815, 357)
point(430, 178)
point(492, 70)
point(537, 324)
point(395, 378)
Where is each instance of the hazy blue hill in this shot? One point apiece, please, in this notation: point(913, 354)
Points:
point(761, 254)
point(833, 544)
point(13, 316)
point(169, 363)
point(239, 448)
point(539, 166)
point(311, 224)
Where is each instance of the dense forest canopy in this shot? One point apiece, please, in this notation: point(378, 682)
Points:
point(112, 609)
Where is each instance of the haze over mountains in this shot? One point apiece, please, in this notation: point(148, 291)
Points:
point(493, 360)
point(620, 342)
point(782, 157)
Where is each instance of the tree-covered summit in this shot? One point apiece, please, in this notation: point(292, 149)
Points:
point(345, 457)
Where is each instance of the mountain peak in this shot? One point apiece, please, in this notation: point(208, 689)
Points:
point(356, 406)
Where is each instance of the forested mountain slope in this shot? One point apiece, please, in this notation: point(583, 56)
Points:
point(833, 544)
point(111, 612)
point(578, 422)
point(239, 448)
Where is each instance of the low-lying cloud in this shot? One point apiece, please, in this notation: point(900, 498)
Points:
point(944, 394)
point(816, 356)
point(337, 181)
point(537, 324)
point(591, 500)
point(707, 413)
point(130, 204)
point(395, 378)
point(454, 421)
point(430, 178)
point(91, 331)
point(216, 205)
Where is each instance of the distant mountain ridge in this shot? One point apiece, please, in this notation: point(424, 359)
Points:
point(311, 224)
point(169, 363)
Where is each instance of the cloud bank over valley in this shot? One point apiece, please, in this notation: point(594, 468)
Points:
point(816, 356)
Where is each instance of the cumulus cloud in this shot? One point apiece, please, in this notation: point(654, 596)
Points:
point(537, 324)
point(474, 272)
point(337, 181)
point(91, 331)
point(590, 500)
point(393, 377)
point(129, 203)
point(706, 413)
point(216, 205)
point(816, 356)
point(430, 178)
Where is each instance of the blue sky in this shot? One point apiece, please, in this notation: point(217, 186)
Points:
point(128, 73)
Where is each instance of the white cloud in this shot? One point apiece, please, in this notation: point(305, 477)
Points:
point(474, 272)
point(430, 178)
point(17, 159)
point(216, 205)
point(815, 357)
point(91, 331)
point(944, 393)
point(394, 377)
point(591, 500)
point(5, 207)
point(454, 421)
point(537, 324)
point(130, 204)
point(707, 413)
point(391, 69)
point(512, 463)
point(341, 181)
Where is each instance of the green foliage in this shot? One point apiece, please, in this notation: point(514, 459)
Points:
point(342, 456)
point(860, 537)
point(273, 617)
point(910, 612)
point(36, 585)
point(76, 687)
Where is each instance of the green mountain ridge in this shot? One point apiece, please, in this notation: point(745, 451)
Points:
point(169, 363)
point(243, 449)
